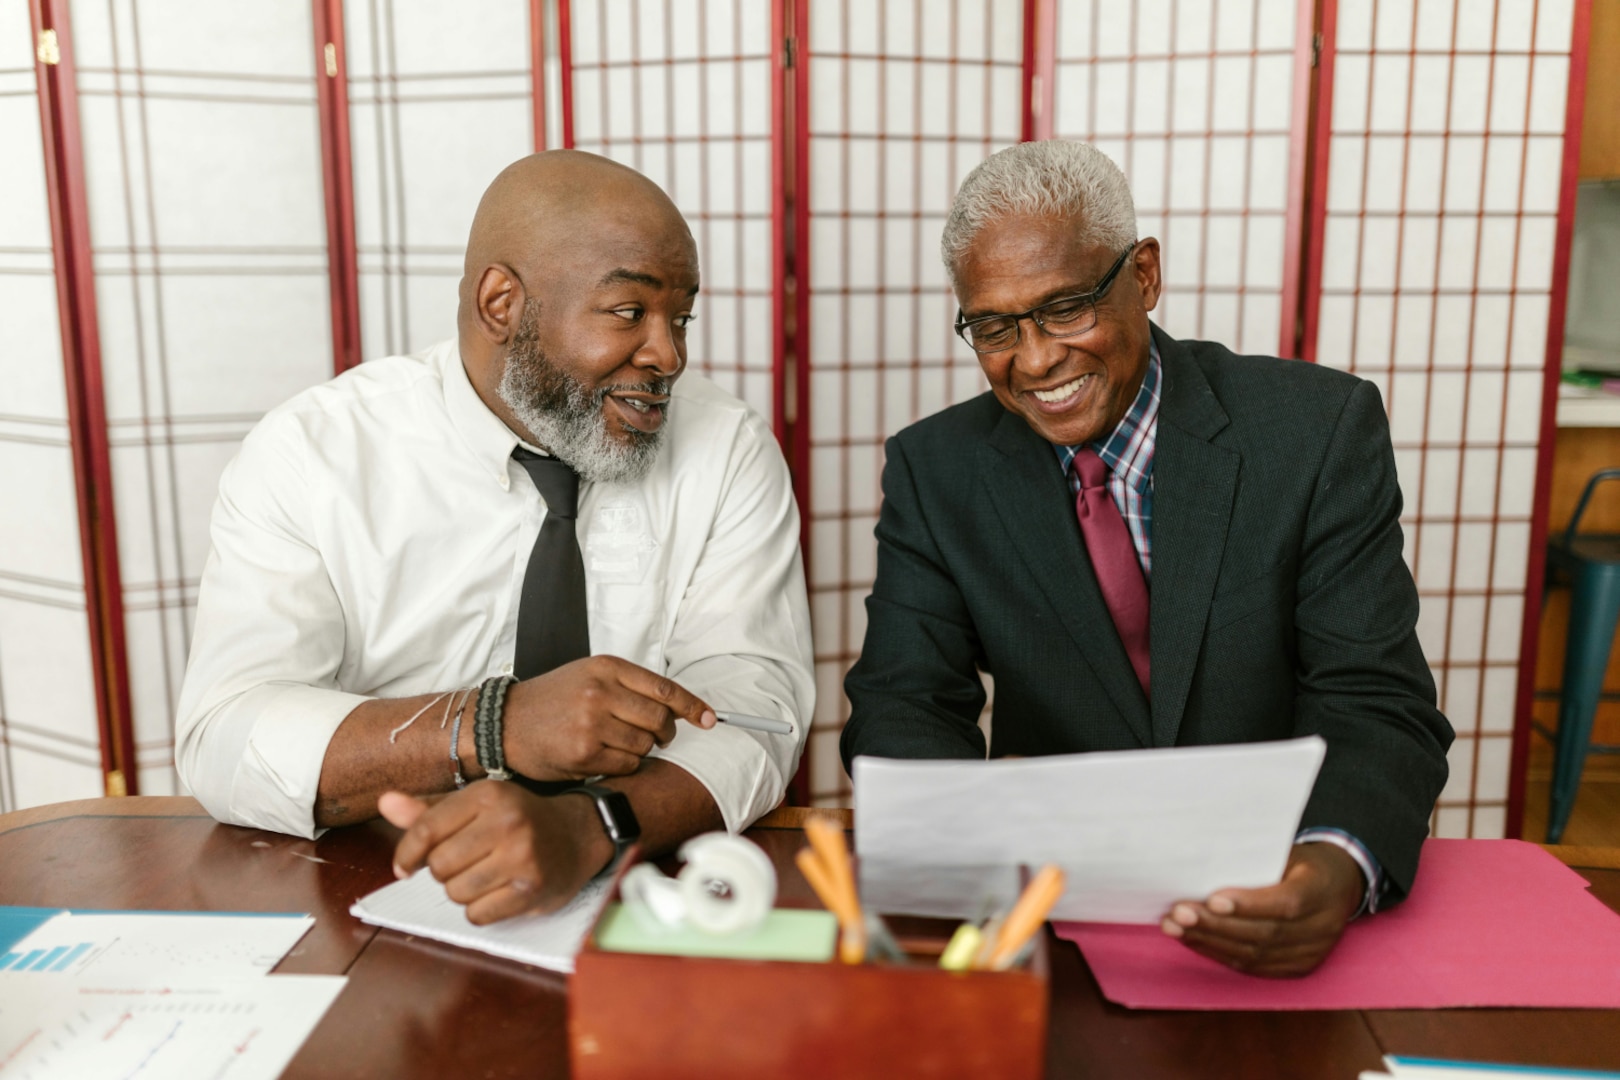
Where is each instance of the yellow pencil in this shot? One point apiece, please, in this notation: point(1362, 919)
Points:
point(1027, 916)
point(815, 872)
point(828, 840)
point(835, 885)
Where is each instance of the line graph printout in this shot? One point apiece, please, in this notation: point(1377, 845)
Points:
point(144, 945)
point(237, 1028)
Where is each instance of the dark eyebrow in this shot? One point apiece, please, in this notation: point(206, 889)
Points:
point(622, 275)
point(616, 277)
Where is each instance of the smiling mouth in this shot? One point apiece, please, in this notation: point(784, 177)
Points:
point(1061, 393)
point(643, 411)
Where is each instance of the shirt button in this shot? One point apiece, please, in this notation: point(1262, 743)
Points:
point(506, 483)
point(506, 669)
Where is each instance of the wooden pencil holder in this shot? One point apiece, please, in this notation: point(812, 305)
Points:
point(640, 1015)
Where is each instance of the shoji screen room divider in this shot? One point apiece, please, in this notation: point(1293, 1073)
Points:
point(209, 207)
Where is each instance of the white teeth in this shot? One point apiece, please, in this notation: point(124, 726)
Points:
point(639, 406)
point(1065, 391)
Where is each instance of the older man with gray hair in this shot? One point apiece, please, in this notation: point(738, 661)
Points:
point(1149, 543)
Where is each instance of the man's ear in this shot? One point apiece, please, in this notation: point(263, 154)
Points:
point(497, 303)
point(1145, 268)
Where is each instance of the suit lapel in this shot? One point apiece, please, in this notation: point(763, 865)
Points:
point(1193, 487)
point(1019, 473)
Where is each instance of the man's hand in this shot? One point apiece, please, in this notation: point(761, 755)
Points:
point(1285, 929)
point(594, 717)
point(499, 850)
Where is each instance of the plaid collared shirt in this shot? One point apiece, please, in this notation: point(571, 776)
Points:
point(1128, 453)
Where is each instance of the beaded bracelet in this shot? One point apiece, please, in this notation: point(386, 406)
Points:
point(488, 726)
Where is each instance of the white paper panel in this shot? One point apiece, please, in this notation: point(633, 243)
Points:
point(1436, 271)
point(440, 101)
point(900, 111)
point(208, 231)
point(1194, 102)
point(49, 748)
point(682, 92)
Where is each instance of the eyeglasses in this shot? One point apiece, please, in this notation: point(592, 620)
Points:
point(1063, 317)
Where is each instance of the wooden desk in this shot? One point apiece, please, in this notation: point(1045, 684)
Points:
point(419, 1009)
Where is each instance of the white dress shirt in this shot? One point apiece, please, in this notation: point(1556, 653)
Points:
point(370, 541)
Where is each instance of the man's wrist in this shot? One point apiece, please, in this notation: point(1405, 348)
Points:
point(1371, 872)
point(597, 850)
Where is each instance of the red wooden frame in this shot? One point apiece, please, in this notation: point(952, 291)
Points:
point(1530, 637)
point(332, 96)
point(1312, 82)
point(1314, 185)
point(793, 378)
point(565, 60)
point(86, 401)
point(784, 406)
point(1040, 69)
point(798, 441)
point(786, 51)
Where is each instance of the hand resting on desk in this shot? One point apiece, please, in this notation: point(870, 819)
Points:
point(1285, 929)
point(501, 850)
point(498, 849)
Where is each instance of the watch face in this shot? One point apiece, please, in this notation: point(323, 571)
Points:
point(617, 816)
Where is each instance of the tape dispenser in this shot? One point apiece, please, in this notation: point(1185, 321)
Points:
point(727, 886)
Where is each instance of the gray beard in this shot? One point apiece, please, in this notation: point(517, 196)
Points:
point(568, 420)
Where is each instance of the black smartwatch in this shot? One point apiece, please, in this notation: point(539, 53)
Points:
point(618, 819)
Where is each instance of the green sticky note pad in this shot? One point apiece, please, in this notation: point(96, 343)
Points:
point(786, 934)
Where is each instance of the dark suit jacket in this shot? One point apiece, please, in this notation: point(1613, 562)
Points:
point(1280, 603)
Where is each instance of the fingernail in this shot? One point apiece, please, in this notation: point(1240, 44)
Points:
point(399, 871)
point(708, 718)
point(1222, 905)
point(1170, 928)
point(1184, 915)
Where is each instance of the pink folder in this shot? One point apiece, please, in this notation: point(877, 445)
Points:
point(1489, 923)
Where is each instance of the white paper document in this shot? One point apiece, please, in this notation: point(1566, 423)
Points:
point(1407, 1068)
point(245, 1028)
point(127, 944)
point(418, 905)
point(1133, 830)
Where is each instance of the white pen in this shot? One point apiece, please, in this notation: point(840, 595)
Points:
point(756, 723)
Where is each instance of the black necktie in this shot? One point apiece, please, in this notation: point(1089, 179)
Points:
point(552, 627)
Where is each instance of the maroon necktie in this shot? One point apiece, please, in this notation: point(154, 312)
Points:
point(1113, 558)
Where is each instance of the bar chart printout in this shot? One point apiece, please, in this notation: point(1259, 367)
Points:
point(60, 958)
point(136, 945)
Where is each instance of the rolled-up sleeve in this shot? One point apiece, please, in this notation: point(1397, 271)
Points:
point(260, 700)
point(741, 635)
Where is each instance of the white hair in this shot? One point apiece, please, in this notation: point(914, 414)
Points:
point(1055, 179)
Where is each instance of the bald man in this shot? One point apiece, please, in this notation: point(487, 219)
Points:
point(526, 553)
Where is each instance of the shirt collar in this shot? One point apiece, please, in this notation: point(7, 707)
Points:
point(486, 434)
point(1143, 415)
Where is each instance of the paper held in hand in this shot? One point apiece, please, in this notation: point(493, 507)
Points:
point(1133, 830)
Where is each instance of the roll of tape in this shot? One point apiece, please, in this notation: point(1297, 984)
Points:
point(653, 898)
point(728, 883)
